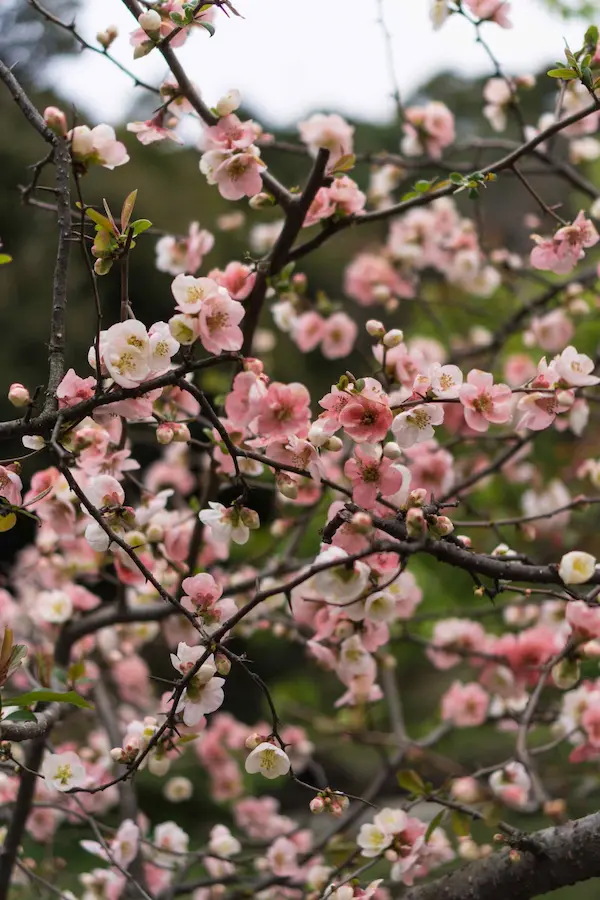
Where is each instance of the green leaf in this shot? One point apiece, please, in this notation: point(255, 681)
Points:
point(20, 715)
point(45, 696)
point(587, 77)
point(345, 163)
point(422, 186)
point(461, 823)
point(591, 36)
point(178, 18)
point(127, 209)
point(99, 219)
point(434, 824)
point(210, 28)
point(456, 178)
point(567, 74)
point(410, 196)
point(141, 225)
point(5, 258)
point(411, 781)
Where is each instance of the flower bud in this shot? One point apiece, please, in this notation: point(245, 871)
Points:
point(181, 432)
point(415, 522)
point(375, 328)
point(280, 527)
point(555, 808)
point(333, 444)
point(361, 522)
point(182, 329)
point(261, 200)
point(392, 450)
point(316, 805)
point(56, 120)
point(251, 364)
point(106, 38)
point(566, 674)
point(417, 497)
point(393, 338)
point(18, 394)
point(33, 441)
point(391, 855)
point(155, 533)
point(250, 518)
point(164, 433)
point(158, 765)
point(178, 789)
point(228, 103)
point(286, 486)
point(150, 21)
point(381, 293)
point(253, 740)
point(223, 664)
point(440, 526)
point(143, 49)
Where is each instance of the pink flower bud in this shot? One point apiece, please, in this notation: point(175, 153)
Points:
point(150, 21)
point(18, 394)
point(465, 541)
point(253, 365)
point(253, 740)
point(56, 120)
point(164, 433)
point(440, 526)
point(261, 200)
point(106, 38)
point(375, 328)
point(393, 338)
point(223, 664)
point(361, 522)
point(415, 522)
point(229, 103)
point(391, 856)
point(316, 805)
point(381, 293)
point(417, 497)
point(181, 433)
point(299, 280)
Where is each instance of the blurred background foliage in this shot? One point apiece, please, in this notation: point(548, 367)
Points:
point(171, 193)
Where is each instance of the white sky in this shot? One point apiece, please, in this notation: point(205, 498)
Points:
point(289, 57)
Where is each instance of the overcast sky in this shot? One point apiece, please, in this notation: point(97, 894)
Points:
point(289, 57)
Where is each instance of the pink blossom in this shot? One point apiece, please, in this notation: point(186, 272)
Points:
point(428, 129)
point(230, 134)
point(551, 332)
point(465, 705)
point(347, 196)
point(184, 256)
point(97, 145)
point(415, 425)
point(243, 403)
point(10, 486)
point(454, 634)
point(371, 473)
point(308, 330)
point(153, 130)
point(283, 410)
point(321, 208)
point(219, 323)
point(339, 336)
point(561, 253)
point(73, 389)
point(330, 132)
point(237, 175)
point(493, 10)
point(484, 401)
point(370, 279)
point(583, 619)
point(575, 368)
point(237, 279)
point(366, 420)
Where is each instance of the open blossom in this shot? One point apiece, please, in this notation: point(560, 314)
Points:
point(130, 354)
point(484, 401)
point(371, 279)
point(366, 417)
point(428, 129)
point(153, 130)
point(371, 473)
point(219, 323)
point(342, 581)
point(183, 256)
point(575, 368)
point(233, 523)
point(283, 410)
point(237, 174)
point(563, 251)
point(339, 336)
point(97, 146)
point(511, 784)
point(10, 486)
point(330, 132)
point(63, 771)
point(493, 10)
point(237, 279)
point(54, 606)
point(465, 705)
point(577, 567)
point(268, 759)
point(204, 692)
point(122, 849)
point(415, 425)
point(405, 835)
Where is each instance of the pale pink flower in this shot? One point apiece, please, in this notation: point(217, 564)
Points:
point(73, 389)
point(371, 473)
point(10, 486)
point(364, 419)
point(371, 279)
point(561, 253)
point(428, 129)
point(339, 336)
point(583, 619)
point(179, 257)
point(321, 208)
point(484, 401)
point(283, 410)
point(454, 634)
point(493, 10)
point(219, 323)
point(347, 196)
point(237, 175)
point(237, 279)
point(153, 130)
point(243, 403)
point(330, 132)
point(230, 134)
point(511, 784)
point(415, 425)
point(98, 146)
point(575, 368)
point(465, 705)
point(308, 330)
point(551, 332)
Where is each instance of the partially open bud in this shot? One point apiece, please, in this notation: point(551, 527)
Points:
point(375, 328)
point(261, 200)
point(333, 444)
point(316, 805)
point(253, 740)
point(393, 338)
point(164, 433)
point(181, 432)
point(223, 664)
point(415, 523)
point(440, 526)
point(361, 522)
point(33, 441)
point(229, 103)
point(56, 120)
point(417, 497)
point(150, 21)
point(18, 394)
point(155, 533)
point(392, 450)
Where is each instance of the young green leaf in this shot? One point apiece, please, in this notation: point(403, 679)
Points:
point(5, 258)
point(47, 696)
point(411, 781)
point(141, 225)
point(127, 210)
point(434, 824)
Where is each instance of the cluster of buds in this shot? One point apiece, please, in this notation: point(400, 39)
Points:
point(329, 801)
point(137, 738)
point(172, 431)
point(105, 38)
point(389, 339)
point(419, 522)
